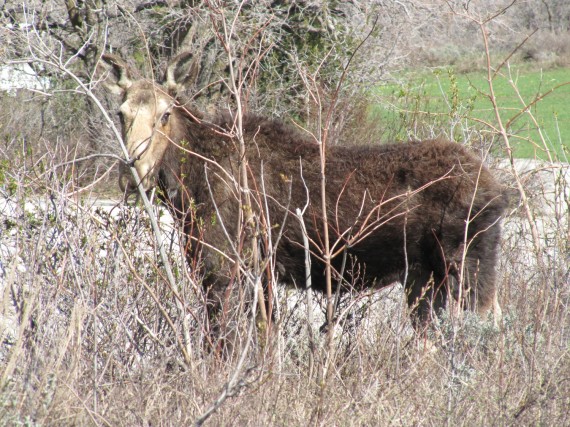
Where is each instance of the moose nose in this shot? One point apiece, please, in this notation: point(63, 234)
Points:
point(126, 183)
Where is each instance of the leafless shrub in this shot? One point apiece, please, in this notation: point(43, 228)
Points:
point(89, 345)
point(92, 328)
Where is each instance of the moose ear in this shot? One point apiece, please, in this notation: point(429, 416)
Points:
point(119, 78)
point(182, 72)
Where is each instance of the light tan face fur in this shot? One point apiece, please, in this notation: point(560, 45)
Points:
point(145, 119)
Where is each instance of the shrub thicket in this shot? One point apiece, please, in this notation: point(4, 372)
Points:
point(94, 333)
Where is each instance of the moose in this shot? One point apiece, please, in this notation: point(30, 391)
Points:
point(423, 213)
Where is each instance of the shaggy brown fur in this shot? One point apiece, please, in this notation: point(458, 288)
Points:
point(408, 208)
point(423, 213)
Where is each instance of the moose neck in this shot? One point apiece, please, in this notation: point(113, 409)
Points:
point(196, 143)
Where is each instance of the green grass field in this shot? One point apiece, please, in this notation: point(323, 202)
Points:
point(442, 99)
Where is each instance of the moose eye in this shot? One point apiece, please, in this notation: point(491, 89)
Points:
point(164, 118)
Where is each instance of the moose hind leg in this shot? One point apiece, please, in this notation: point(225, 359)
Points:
point(426, 294)
point(476, 289)
point(480, 276)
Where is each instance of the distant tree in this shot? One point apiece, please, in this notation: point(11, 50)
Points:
point(277, 44)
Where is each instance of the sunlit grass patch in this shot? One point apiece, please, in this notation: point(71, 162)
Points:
point(532, 106)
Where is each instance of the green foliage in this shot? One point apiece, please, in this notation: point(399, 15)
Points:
point(532, 105)
point(6, 181)
point(270, 43)
point(316, 40)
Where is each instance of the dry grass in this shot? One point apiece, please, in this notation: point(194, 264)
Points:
point(92, 333)
point(85, 343)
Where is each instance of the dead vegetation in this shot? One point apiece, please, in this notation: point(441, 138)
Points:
point(94, 331)
point(90, 338)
